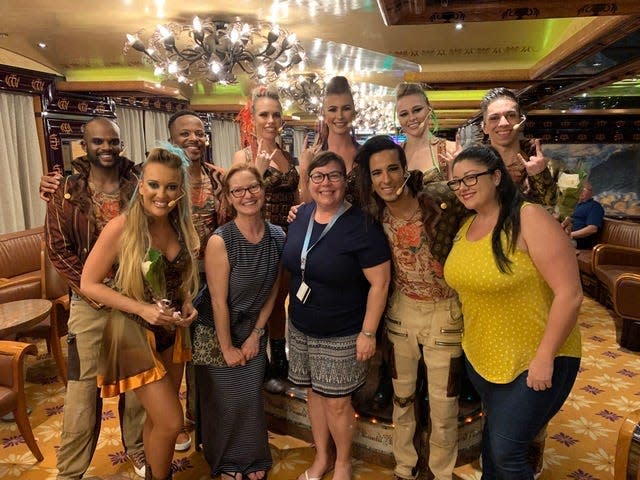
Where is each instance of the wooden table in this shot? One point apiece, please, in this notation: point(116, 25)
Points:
point(22, 315)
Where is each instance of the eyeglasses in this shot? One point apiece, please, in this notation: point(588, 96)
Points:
point(469, 180)
point(332, 176)
point(252, 189)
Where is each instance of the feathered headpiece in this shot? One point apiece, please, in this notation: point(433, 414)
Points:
point(186, 163)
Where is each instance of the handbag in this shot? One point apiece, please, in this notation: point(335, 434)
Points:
point(206, 347)
point(205, 344)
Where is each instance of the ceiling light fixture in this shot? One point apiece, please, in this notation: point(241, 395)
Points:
point(374, 110)
point(42, 45)
point(304, 90)
point(459, 26)
point(219, 51)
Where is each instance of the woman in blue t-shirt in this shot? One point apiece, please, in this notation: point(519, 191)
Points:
point(340, 272)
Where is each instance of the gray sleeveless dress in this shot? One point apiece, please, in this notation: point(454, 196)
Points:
point(231, 418)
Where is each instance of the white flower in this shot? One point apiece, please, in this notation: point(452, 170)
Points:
point(568, 180)
point(146, 265)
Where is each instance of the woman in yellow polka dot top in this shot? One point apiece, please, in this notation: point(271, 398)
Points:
point(517, 278)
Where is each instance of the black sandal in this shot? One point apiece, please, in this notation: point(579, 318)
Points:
point(231, 475)
point(246, 476)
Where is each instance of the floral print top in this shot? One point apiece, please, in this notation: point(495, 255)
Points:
point(416, 273)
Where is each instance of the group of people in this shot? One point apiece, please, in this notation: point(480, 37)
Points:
point(443, 248)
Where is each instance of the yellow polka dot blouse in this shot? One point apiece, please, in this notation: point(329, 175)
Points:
point(505, 314)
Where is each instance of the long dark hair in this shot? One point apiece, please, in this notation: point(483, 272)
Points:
point(371, 202)
point(509, 198)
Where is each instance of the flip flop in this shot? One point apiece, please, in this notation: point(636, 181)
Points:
point(307, 477)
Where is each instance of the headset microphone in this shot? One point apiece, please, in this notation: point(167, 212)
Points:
point(518, 126)
point(172, 203)
point(401, 188)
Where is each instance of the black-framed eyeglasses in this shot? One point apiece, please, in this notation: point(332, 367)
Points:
point(469, 180)
point(252, 189)
point(333, 177)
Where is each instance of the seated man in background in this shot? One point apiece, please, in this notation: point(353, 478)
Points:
point(587, 219)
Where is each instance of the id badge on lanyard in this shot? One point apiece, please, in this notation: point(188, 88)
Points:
point(304, 291)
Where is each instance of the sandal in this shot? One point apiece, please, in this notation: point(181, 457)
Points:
point(246, 475)
point(230, 476)
point(305, 476)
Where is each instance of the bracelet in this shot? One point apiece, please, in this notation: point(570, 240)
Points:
point(259, 331)
point(368, 334)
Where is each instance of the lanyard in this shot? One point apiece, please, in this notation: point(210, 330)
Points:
point(305, 247)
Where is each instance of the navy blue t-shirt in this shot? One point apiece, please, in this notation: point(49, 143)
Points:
point(586, 213)
point(338, 298)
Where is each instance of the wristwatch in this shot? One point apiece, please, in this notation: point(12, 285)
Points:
point(259, 331)
point(368, 334)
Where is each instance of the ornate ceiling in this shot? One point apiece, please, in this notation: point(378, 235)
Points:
point(552, 52)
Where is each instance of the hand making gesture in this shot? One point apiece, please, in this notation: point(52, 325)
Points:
point(536, 163)
point(263, 158)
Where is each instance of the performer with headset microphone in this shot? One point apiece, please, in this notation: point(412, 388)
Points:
point(423, 316)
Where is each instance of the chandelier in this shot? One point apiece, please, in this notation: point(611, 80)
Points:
point(374, 107)
point(218, 51)
point(304, 90)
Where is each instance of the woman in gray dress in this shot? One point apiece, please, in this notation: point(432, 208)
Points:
point(242, 263)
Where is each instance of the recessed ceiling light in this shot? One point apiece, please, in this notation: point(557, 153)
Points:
point(42, 45)
point(459, 26)
point(584, 94)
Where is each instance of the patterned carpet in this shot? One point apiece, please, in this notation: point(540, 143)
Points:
point(580, 444)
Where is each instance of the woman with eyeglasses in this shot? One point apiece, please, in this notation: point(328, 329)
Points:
point(517, 277)
point(262, 121)
point(425, 151)
point(340, 272)
point(242, 264)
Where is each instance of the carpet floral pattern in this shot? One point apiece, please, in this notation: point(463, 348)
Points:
point(580, 443)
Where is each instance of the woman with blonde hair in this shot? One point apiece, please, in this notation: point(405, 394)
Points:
point(152, 248)
point(425, 151)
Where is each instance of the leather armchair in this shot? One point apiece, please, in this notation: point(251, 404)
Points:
point(12, 396)
point(626, 304)
point(626, 464)
point(54, 327)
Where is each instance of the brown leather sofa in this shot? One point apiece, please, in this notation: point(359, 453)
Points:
point(25, 272)
point(614, 267)
point(20, 276)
